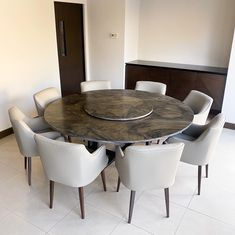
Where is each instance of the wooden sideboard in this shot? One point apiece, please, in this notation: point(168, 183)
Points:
point(180, 79)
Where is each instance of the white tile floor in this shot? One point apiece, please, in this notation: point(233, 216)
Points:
point(24, 210)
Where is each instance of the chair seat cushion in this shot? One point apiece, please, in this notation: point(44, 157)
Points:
point(184, 137)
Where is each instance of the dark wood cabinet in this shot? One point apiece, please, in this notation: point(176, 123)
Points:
point(180, 79)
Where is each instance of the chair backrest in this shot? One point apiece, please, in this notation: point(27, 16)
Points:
point(200, 151)
point(153, 87)
point(95, 85)
point(200, 103)
point(16, 114)
point(148, 167)
point(44, 97)
point(23, 133)
point(68, 163)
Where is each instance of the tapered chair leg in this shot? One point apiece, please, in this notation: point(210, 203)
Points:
point(131, 206)
point(166, 191)
point(207, 169)
point(199, 179)
point(25, 163)
point(69, 139)
point(118, 184)
point(81, 198)
point(103, 179)
point(52, 183)
point(29, 169)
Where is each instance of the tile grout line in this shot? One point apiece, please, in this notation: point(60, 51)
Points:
point(48, 231)
point(213, 218)
point(115, 227)
point(105, 211)
point(28, 222)
point(176, 230)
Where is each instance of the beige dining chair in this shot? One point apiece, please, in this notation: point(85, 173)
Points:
point(200, 103)
point(24, 129)
point(95, 85)
point(44, 97)
point(70, 164)
point(149, 86)
point(148, 167)
point(92, 86)
point(200, 143)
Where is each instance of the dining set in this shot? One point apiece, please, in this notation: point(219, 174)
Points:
point(144, 131)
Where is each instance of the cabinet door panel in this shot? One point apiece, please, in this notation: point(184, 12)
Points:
point(134, 74)
point(159, 75)
point(212, 85)
point(181, 83)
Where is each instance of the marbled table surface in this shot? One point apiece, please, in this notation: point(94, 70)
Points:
point(83, 116)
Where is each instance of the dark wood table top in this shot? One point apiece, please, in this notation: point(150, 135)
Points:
point(133, 116)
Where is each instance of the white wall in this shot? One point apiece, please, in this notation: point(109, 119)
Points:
point(28, 57)
point(187, 31)
point(132, 9)
point(106, 54)
point(229, 96)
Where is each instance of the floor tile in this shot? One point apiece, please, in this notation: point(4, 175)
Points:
point(26, 207)
point(95, 222)
point(7, 172)
point(150, 214)
point(113, 202)
point(215, 202)
point(12, 158)
point(125, 228)
point(8, 141)
point(16, 190)
point(13, 225)
point(3, 211)
point(37, 211)
point(194, 224)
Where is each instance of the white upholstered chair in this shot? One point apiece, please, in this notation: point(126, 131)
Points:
point(70, 164)
point(148, 167)
point(95, 85)
point(44, 97)
point(24, 129)
point(153, 87)
point(200, 143)
point(200, 103)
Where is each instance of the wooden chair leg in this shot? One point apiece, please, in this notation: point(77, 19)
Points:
point(118, 184)
point(103, 179)
point(52, 183)
point(25, 163)
point(207, 169)
point(131, 206)
point(81, 198)
point(166, 191)
point(69, 139)
point(29, 169)
point(199, 179)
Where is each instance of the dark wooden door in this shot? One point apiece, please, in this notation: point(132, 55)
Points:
point(70, 44)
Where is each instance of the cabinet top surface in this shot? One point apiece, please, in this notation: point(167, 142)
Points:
point(200, 68)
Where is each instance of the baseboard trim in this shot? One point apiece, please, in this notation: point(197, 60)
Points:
point(6, 132)
point(229, 125)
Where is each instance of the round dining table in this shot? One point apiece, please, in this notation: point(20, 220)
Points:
point(118, 116)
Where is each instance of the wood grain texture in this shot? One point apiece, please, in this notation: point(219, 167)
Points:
point(180, 79)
